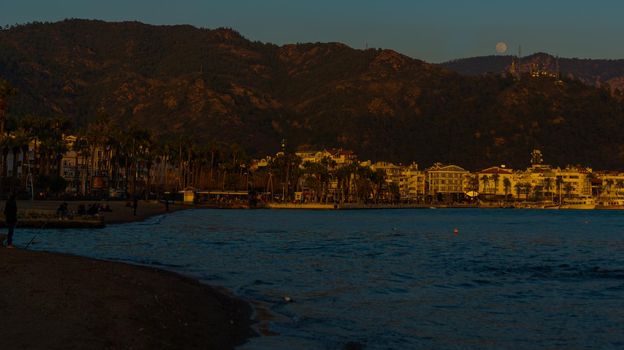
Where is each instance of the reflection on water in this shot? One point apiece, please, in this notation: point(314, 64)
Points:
point(392, 278)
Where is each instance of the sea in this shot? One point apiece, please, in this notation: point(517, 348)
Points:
point(391, 279)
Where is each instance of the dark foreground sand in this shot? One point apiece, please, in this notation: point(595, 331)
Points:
point(52, 301)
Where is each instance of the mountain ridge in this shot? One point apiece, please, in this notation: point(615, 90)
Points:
point(595, 72)
point(215, 85)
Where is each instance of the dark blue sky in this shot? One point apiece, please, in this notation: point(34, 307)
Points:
point(433, 30)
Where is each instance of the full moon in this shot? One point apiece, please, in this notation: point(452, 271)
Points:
point(501, 47)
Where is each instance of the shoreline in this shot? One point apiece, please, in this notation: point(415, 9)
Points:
point(80, 302)
point(45, 211)
point(355, 206)
point(41, 214)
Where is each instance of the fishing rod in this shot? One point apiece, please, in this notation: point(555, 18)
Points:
point(33, 238)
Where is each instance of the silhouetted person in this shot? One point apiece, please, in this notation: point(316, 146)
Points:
point(135, 205)
point(62, 210)
point(93, 209)
point(166, 204)
point(10, 214)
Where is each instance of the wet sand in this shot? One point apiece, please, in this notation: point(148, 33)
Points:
point(54, 301)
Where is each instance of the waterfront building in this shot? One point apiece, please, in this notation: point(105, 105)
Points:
point(536, 183)
point(446, 180)
point(495, 181)
point(543, 182)
point(257, 164)
point(393, 172)
point(338, 156)
point(609, 189)
point(576, 181)
point(412, 183)
point(84, 173)
point(610, 183)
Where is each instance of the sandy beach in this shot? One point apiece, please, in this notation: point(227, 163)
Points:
point(55, 301)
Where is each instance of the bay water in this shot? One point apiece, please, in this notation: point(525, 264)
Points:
point(391, 279)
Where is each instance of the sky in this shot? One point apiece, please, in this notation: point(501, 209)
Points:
point(432, 30)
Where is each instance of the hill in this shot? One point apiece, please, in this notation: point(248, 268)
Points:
point(591, 72)
point(215, 85)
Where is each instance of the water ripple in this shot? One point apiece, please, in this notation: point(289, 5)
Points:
point(392, 279)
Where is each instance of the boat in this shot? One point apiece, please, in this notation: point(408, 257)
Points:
point(611, 202)
point(581, 203)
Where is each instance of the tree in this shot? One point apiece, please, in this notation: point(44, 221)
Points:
point(395, 193)
point(378, 177)
point(317, 177)
point(485, 179)
point(364, 189)
point(608, 185)
point(285, 167)
point(5, 92)
point(619, 185)
point(518, 188)
point(344, 176)
point(591, 178)
point(547, 184)
point(495, 179)
point(507, 187)
point(538, 192)
point(559, 184)
point(473, 182)
point(526, 187)
point(568, 188)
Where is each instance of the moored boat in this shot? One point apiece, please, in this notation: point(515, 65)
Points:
point(581, 203)
point(612, 203)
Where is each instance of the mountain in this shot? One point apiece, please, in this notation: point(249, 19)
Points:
point(590, 71)
point(215, 85)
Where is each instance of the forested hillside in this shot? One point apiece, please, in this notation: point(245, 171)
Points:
point(216, 86)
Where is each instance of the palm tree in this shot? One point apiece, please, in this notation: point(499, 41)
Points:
point(619, 185)
point(342, 175)
point(591, 178)
point(507, 187)
point(608, 185)
point(538, 192)
point(558, 184)
point(314, 176)
point(495, 179)
point(5, 145)
point(547, 183)
point(485, 179)
point(527, 189)
point(568, 188)
point(378, 177)
point(5, 92)
point(363, 183)
point(518, 188)
point(20, 142)
point(473, 183)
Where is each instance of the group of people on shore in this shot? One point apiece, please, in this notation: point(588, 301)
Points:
point(63, 211)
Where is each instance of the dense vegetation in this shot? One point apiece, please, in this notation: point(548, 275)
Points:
point(215, 87)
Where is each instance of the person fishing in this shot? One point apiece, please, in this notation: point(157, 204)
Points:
point(10, 217)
